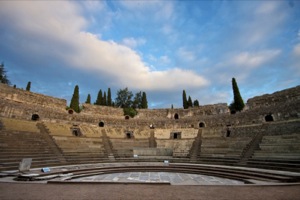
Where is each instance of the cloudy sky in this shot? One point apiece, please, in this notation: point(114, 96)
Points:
point(160, 47)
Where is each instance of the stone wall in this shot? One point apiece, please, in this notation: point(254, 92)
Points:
point(280, 97)
point(89, 109)
point(280, 106)
point(182, 113)
point(27, 97)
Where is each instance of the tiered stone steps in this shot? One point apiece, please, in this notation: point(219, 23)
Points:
point(221, 150)
point(16, 145)
point(70, 149)
point(278, 152)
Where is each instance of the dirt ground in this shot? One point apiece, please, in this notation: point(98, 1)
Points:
point(32, 191)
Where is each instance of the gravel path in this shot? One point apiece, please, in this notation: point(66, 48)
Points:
point(32, 191)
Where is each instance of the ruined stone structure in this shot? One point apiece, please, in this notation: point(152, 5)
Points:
point(265, 134)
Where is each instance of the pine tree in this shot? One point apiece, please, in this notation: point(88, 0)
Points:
point(75, 100)
point(104, 99)
point(28, 86)
point(109, 100)
point(144, 101)
point(3, 76)
point(190, 102)
point(184, 99)
point(88, 99)
point(99, 98)
point(238, 103)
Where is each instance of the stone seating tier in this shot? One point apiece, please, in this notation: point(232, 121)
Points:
point(59, 129)
point(19, 125)
point(16, 145)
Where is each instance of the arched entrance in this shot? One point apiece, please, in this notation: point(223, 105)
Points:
point(129, 134)
point(101, 124)
point(70, 111)
point(127, 117)
point(176, 116)
point(76, 132)
point(35, 117)
point(201, 125)
point(269, 118)
point(228, 132)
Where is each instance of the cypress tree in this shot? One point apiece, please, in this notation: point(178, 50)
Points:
point(99, 98)
point(75, 100)
point(104, 99)
point(137, 101)
point(109, 100)
point(190, 102)
point(238, 103)
point(88, 99)
point(184, 99)
point(28, 86)
point(3, 76)
point(144, 101)
point(196, 103)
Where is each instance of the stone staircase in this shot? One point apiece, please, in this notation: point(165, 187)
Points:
point(252, 146)
point(108, 147)
point(196, 148)
point(56, 150)
point(152, 141)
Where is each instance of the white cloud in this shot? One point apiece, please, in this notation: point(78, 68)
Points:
point(296, 50)
point(164, 60)
point(264, 21)
point(185, 54)
point(160, 10)
point(61, 24)
point(253, 59)
point(133, 43)
point(267, 7)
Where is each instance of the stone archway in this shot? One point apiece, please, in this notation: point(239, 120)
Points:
point(127, 117)
point(101, 124)
point(70, 111)
point(176, 116)
point(201, 125)
point(269, 118)
point(35, 117)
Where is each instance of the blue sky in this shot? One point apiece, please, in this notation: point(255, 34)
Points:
point(160, 47)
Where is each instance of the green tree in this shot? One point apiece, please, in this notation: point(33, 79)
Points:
point(190, 102)
point(3, 76)
point(28, 86)
point(123, 98)
point(109, 100)
point(137, 100)
point(184, 100)
point(196, 103)
point(130, 112)
point(75, 100)
point(99, 98)
point(238, 103)
point(172, 107)
point(104, 103)
point(88, 99)
point(144, 101)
